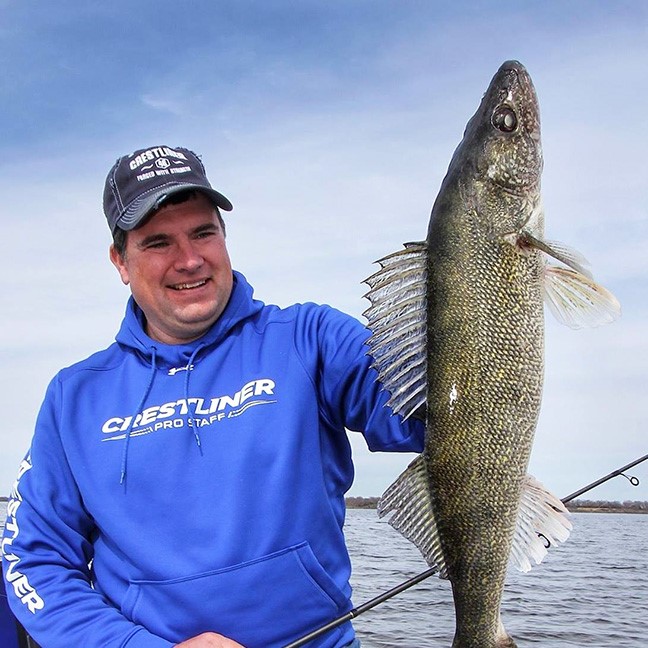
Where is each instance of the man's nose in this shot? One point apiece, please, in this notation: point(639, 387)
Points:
point(188, 257)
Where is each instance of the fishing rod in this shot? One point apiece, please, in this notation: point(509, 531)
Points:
point(352, 614)
point(381, 598)
point(620, 471)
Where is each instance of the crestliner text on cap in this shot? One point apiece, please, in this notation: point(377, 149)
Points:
point(139, 182)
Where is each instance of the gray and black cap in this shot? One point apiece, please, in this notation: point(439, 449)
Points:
point(139, 182)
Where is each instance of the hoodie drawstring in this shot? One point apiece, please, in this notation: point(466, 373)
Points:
point(186, 394)
point(139, 409)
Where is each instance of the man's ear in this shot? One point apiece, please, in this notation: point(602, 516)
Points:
point(118, 261)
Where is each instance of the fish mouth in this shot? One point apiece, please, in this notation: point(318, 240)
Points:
point(512, 80)
point(514, 69)
point(513, 65)
point(189, 285)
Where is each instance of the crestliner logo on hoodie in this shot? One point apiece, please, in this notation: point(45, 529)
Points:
point(22, 588)
point(194, 412)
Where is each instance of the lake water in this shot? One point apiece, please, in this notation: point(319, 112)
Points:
point(592, 591)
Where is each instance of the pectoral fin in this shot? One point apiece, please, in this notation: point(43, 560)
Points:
point(559, 251)
point(574, 298)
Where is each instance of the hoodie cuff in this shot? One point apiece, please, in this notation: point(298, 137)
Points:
point(144, 639)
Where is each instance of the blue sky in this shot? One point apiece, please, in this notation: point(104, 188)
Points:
point(330, 126)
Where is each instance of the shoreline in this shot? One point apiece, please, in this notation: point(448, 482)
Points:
point(585, 506)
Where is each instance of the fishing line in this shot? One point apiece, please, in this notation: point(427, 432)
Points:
point(381, 598)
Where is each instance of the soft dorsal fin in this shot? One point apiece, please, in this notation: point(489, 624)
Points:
point(408, 505)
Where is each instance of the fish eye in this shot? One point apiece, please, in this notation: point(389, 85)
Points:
point(504, 119)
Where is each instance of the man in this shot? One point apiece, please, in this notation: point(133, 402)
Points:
point(185, 487)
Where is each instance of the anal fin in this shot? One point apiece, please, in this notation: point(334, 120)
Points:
point(542, 523)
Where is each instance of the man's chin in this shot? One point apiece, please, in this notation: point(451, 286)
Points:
point(197, 319)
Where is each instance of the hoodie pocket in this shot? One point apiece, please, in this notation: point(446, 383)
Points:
point(261, 603)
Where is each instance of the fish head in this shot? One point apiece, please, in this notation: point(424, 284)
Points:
point(502, 148)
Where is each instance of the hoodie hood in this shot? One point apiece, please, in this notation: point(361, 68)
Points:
point(172, 358)
point(132, 333)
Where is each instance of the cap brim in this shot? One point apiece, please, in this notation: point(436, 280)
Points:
point(140, 209)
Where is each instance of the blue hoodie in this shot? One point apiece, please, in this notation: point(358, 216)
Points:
point(175, 489)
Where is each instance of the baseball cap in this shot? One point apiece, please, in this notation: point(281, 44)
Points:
point(139, 182)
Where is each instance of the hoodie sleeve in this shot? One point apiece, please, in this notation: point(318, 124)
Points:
point(47, 552)
point(350, 392)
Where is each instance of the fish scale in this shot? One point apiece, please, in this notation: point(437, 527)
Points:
point(458, 326)
point(487, 310)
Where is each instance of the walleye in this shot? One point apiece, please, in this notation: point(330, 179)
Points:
point(457, 337)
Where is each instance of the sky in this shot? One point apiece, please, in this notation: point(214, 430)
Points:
point(329, 125)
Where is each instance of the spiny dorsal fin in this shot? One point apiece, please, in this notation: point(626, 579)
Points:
point(396, 319)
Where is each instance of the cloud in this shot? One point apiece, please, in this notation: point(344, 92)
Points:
point(164, 104)
point(330, 127)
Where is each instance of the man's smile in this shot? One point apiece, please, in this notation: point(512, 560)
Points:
point(188, 286)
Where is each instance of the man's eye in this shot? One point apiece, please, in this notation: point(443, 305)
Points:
point(206, 234)
point(156, 245)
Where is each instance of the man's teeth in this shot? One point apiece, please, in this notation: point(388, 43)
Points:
point(186, 286)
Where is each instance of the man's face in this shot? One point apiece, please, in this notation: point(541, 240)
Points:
point(178, 269)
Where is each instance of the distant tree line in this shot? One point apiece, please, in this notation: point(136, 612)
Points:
point(628, 506)
point(362, 502)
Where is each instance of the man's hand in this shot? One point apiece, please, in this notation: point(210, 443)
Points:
point(209, 640)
